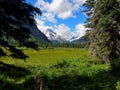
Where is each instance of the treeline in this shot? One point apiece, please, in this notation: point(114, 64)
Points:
point(63, 45)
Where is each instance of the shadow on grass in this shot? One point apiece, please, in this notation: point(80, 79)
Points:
point(103, 80)
point(10, 75)
point(13, 71)
point(66, 76)
point(73, 80)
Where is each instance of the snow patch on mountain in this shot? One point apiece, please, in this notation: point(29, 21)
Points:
point(53, 36)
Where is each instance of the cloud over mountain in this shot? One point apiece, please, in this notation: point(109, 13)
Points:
point(80, 30)
point(62, 31)
point(61, 8)
point(55, 14)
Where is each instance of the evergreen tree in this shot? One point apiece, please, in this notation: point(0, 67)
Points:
point(16, 18)
point(105, 31)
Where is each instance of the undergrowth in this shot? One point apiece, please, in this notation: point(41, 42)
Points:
point(79, 73)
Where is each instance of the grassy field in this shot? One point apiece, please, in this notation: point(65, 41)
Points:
point(47, 56)
point(56, 69)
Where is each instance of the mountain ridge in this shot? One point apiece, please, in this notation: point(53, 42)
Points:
point(55, 37)
point(38, 35)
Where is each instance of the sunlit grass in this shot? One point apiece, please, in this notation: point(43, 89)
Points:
point(47, 56)
point(69, 68)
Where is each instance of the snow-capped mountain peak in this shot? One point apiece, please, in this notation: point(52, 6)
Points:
point(54, 36)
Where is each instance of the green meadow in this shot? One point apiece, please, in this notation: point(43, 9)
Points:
point(47, 56)
point(56, 69)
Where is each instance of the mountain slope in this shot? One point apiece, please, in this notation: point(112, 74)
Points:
point(81, 39)
point(38, 34)
point(53, 36)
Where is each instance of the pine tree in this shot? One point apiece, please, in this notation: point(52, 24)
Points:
point(16, 18)
point(105, 31)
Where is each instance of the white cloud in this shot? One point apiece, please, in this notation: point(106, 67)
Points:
point(41, 25)
point(64, 31)
point(80, 30)
point(50, 17)
point(61, 8)
point(77, 4)
point(80, 2)
point(42, 4)
point(65, 15)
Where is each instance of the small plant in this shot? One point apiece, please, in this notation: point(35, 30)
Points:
point(118, 85)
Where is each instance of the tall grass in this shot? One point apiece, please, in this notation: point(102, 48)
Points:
point(56, 69)
point(46, 56)
point(73, 74)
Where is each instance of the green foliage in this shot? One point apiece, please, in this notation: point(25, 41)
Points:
point(57, 69)
point(16, 19)
point(80, 43)
point(12, 77)
point(104, 34)
point(118, 85)
point(46, 56)
point(74, 74)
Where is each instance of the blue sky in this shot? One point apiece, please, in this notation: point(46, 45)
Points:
point(62, 16)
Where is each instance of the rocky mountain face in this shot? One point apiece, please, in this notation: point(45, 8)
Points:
point(49, 35)
point(53, 36)
point(38, 34)
point(56, 38)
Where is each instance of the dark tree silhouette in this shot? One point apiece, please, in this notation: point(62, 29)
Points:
point(16, 18)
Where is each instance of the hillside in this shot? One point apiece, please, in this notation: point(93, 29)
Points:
point(38, 35)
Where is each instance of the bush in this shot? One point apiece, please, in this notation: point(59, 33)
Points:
point(75, 74)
